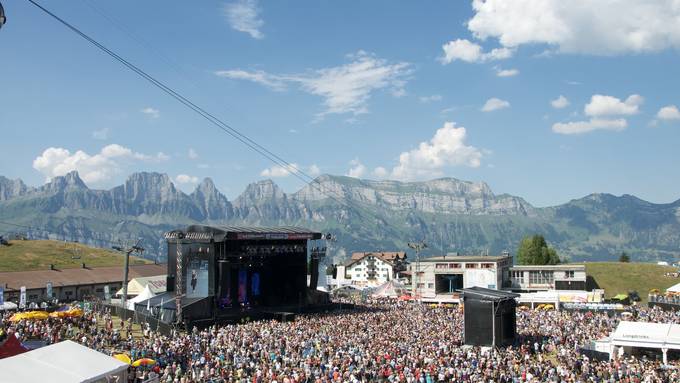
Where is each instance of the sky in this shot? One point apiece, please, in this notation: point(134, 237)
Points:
point(545, 99)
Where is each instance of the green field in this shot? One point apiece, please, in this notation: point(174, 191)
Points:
point(618, 277)
point(38, 255)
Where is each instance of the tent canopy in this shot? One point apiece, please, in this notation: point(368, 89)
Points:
point(389, 289)
point(157, 284)
point(643, 334)
point(144, 295)
point(8, 306)
point(64, 362)
point(674, 289)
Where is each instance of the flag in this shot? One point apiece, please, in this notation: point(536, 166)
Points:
point(22, 297)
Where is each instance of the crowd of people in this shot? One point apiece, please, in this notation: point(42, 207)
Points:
point(381, 341)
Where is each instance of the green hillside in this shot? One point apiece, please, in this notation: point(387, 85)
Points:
point(618, 277)
point(39, 254)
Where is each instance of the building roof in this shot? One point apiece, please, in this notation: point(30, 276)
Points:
point(644, 334)
point(37, 279)
point(385, 256)
point(567, 266)
point(487, 294)
point(207, 233)
point(467, 258)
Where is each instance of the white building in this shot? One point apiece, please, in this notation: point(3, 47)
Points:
point(437, 279)
point(371, 268)
point(529, 278)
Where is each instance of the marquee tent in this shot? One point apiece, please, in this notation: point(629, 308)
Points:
point(663, 336)
point(674, 289)
point(389, 289)
point(157, 284)
point(144, 295)
point(65, 362)
point(8, 306)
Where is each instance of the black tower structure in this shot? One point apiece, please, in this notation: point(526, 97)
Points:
point(490, 317)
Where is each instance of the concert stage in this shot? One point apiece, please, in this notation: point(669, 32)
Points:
point(226, 273)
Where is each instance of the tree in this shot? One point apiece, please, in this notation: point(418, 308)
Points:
point(624, 257)
point(534, 250)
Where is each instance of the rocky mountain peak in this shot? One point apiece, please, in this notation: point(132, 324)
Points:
point(150, 186)
point(262, 190)
point(11, 188)
point(70, 181)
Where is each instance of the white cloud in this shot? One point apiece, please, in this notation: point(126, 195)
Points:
point(669, 112)
point(151, 112)
point(580, 127)
point(432, 98)
point(601, 105)
point(380, 172)
point(278, 171)
point(192, 154)
point(506, 72)
point(345, 88)
point(314, 170)
point(357, 169)
point(186, 179)
point(468, 51)
point(579, 26)
point(560, 102)
point(260, 77)
point(494, 104)
point(243, 16)
point(101, 134)
point(97, 168)
point(446, 148)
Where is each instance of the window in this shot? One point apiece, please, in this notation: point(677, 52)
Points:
point(454, 265)
point(518, 276)
point(421, 285)
point(471, 265)
point(430, 285)
point(33, 297)
point(69, 293)
point(569, 273)
point(540, 277)
point(487, 265)
point(99, 290)
point(441, 266)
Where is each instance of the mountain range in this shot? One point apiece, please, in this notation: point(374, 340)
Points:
point(450, 215)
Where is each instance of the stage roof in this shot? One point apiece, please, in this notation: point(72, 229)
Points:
point(488, 294)
point(222, 233)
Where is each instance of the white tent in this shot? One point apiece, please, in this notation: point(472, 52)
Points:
point(64, 362)
point(157, 283)
point(8, 306)
point(674, 289)
point(663, 336)
point(144, 295)
point(389, 289)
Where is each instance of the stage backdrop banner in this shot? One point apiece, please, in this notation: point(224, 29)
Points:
point(197, 278)
point(22, 297)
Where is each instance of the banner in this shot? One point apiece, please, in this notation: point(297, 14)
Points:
point(49, 290)
point(2, 296)
point(107, 292)
point(22, 298)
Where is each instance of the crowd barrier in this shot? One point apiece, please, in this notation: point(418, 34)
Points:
point(139, 318)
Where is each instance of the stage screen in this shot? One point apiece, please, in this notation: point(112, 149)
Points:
point(197, 278)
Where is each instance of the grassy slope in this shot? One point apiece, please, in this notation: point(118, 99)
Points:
point(38, 255)
point(616, 277)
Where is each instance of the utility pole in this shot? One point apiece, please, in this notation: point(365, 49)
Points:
point(418, 247)
point(127, 250)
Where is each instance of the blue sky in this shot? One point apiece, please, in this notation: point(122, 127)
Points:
point(378, 89)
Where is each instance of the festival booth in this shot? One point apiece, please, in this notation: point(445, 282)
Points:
point(64, 362)
point(6, 306)
point(146, 294)
point(157, 284)
point(389, 289)
point(630, 337)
